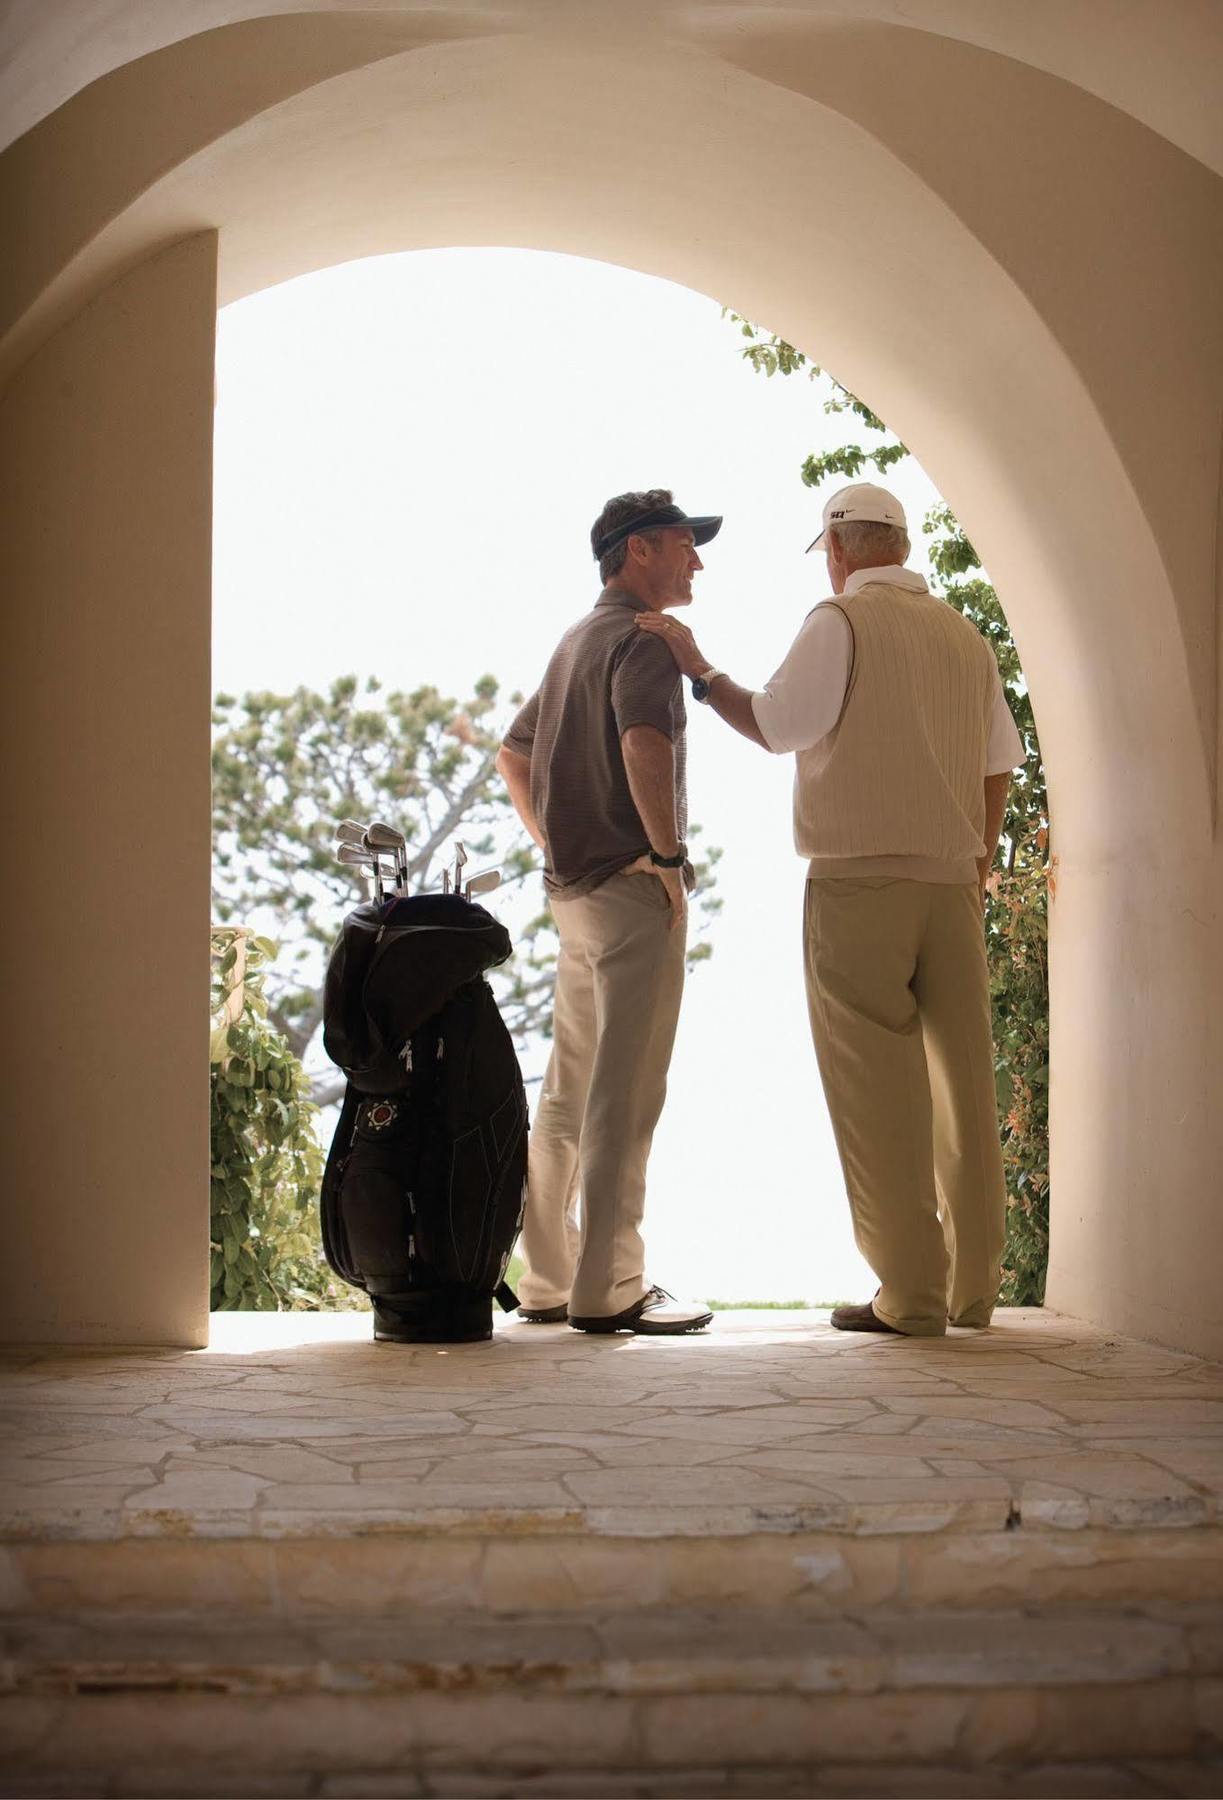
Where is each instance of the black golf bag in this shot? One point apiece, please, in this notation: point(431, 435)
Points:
point(423, 1192)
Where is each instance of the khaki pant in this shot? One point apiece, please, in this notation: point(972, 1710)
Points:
point(619, 978)
point(898, 991)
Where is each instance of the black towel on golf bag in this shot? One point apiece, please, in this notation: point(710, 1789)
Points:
point(423, 1192)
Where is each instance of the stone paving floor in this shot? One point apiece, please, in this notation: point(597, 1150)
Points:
point(298, 1425)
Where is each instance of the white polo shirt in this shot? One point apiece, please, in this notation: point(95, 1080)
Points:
point(802, 702)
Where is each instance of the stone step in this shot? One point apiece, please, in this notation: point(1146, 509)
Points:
point(1131, 1778)
point(524, 1566)
point(681, 1699)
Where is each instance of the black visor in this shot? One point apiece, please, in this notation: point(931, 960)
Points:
point(703, 528)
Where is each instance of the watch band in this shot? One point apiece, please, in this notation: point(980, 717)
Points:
point(670, 862)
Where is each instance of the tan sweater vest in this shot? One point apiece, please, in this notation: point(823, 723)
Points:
point(897, 787)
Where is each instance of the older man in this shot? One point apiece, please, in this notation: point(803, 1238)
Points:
point(904, 744)
point(594, 764)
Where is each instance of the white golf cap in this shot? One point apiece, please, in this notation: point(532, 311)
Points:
point(862, 501)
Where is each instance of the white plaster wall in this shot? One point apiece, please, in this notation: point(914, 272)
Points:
point(105, 518)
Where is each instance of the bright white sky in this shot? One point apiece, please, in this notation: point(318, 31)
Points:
point(409, 455)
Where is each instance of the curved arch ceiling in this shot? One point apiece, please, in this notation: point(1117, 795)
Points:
point(1158, 62)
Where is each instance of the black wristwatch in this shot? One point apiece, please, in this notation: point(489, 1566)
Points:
point(702, 683)
point(670, 862)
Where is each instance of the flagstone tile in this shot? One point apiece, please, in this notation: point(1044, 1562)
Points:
point(102, 1480)
point(14, 1424)
point(598, 1399)
point(973, 1437)
point(927, 1488)
point(233, 1401)
point(410, 1469)
point(839, 1386)
point(826, 1426)
point(506, 1465)
point(665, 1486)
point(197, 1492)
point(1168, 1411)
point(430, 1450)
point(866, 1449)
point(346, 1452)
point(274, 1462)
point(82, 1453)
point(20, 1469)
point(1137, 1432)
point(722, 1394)
point(323, 1496)
point(1019, 1415)
point(1110, 1476)
point(458, 1449)
point(683, 1454)
point(1197, 1462)
point(394, 1496)
point(229, 1427)
point(421, 1400)
point(840, 1463)
point(570, 1418)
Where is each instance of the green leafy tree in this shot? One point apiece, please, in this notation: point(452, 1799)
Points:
point(1016, 910)
point(266, 1163)
point(287, 767)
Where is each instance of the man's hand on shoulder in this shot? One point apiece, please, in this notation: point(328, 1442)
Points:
point(678, 640)
point(730, 701)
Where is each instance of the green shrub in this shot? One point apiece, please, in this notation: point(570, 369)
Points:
point(1016, 938)
point(266, 1160)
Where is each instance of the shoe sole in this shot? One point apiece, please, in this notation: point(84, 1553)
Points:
point(558, 1317)
point(605, 1327)
point(672, 1330)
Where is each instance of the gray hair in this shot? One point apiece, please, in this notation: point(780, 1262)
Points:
point(870, 544)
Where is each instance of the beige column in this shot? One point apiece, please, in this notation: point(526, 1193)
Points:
point(105, 517)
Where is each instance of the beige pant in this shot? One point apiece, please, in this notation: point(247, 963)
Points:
point(619, 978)
point(898, 990)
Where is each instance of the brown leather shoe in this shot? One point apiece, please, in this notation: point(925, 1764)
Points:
point(861, 1318)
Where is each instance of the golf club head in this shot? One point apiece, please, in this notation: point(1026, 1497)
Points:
point(349, 831)
point(483, 883)
point(354, 856)
point(381, 836)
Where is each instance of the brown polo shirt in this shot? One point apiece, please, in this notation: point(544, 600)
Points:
point(603, 677)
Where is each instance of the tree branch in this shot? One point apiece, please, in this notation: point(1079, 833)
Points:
point(418, 865)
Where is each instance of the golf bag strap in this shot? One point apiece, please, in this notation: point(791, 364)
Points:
point(506, 1298)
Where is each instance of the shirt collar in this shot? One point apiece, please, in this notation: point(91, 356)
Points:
point(892, 573)
point(618, 596)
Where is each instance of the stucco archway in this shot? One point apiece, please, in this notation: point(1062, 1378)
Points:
point(1009, 312)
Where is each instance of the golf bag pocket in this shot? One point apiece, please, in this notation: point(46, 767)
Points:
point(377, 1191)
